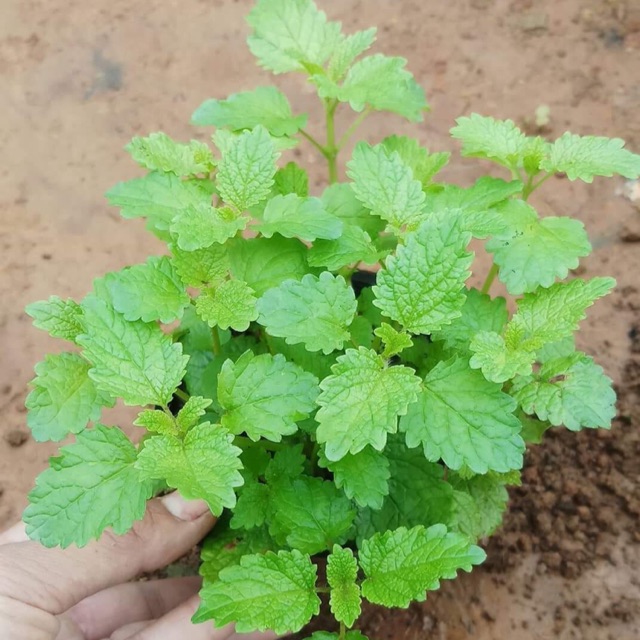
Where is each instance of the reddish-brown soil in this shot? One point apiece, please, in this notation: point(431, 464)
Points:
point(80, 78)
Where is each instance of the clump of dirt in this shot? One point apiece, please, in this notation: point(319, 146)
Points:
point(16, 437)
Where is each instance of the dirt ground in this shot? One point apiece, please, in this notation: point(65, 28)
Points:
point(78, 79)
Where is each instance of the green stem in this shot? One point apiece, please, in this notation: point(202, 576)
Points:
point(314, 142)
point(352, 129)
point(331, 149)
point(182, 395)
point(491, 276)
point(531, 186)
point(216, 341)
point(343, 631)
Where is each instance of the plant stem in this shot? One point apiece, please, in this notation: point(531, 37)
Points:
point(531, 186)
point(352, 129)
point(331, 151)
point(314, 142)
point(491, 276)
point(216, 341)
point(182, 395)
point(343, 631)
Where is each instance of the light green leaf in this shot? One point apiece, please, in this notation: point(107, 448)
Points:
point(533, 429)
point(364, 477)
point(150, 291)
point(264, 263)
point(401, 565)
point(290, 35)
point(135, 361)
point(394, 341)
point(286, 464)
point(90, 486)
point(326, 635)
point(157, 421)
point(583, 157)
point(204, 465)
point(498, 140)
point(190, 414)
point(309, 514)
point(353, 246)
point(342, 573)
point(266, 106)
point(533, 252)
point(158, 152)
point(202, 267)
point(291, 179)
point(464, 419)
point(264, 592)
point(480, 312)
point(499, 360)
point(423, 164)
point(385, 184)
point(380, 83)
point(418, 494)
point(564, 347)
point(200, 227)
point(572, 391)
point(60, 318)
point(251, 510)
point(265, 396)
point(313, 311)
point(159, 197)
point(230, 304)
point(245, 173)
point(64, 398)
point(347, 50)
point(360, 403)
point(340, 201)
point(292, 216)
point(422, 286)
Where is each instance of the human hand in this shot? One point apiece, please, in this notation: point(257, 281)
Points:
point(85, 594)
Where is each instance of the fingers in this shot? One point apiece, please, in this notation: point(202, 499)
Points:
point(103, 613)
point(17, 533)
point(55, 579)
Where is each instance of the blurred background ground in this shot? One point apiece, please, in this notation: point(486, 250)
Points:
point(79, 79)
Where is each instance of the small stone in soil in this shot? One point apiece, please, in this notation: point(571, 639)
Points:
point(16, 437)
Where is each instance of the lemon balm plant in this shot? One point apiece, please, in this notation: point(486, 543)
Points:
point(376, 427)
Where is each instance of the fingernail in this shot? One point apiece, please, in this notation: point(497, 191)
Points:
point(182, 509)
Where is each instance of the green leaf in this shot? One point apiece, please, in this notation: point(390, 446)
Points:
point(157, 421)
point(313, 311)
point(498, 140)
point(423, 164)
point(361, 332)
point(533, 429)
point(291, 179)
point(380, 83)
point(251, 510)
point(479, 504)
point(340, 200)
point(292, 216)
point(289, 35)
point(360, 403)
point(464, 419)
point(265, 396)
point(266, 106)
point(90, 486)
point(190, 414)
point(309, 514)
point(158, 152)
point(159, 197)
point(572, 391)
point(543, 317)
point(135, 361)
point(230, 304)
point(353, 246)
point(422, 286)
point(60, 318)
point(480, 312)
point(401, 565)
point(264, 592)
point(149, 291)
point(317, 363)
point(533, 252)
point(385, 184)
point(245, 173)
point(286, 464)
point(347, 50)
point(364, 477)
point(64, 398)
point(202, 267)
point(205, 465)
point(326, 635)
point(342, 573)
point(394, 341)
point(200, 227)
point(264, 263)
point(583, 157)
point(418, 495)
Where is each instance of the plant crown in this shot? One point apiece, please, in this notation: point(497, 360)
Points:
point(378, 426)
